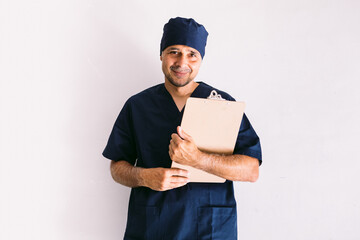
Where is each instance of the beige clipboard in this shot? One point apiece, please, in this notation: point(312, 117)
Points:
point(214, 126)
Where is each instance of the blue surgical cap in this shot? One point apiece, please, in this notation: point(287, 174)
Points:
point(184, 31)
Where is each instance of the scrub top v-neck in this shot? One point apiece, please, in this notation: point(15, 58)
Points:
point(141, 136)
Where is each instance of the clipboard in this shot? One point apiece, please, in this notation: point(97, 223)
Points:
point(214, 124)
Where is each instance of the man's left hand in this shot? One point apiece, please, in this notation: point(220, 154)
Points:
point(182, 148)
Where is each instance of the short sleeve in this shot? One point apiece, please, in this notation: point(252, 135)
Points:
point(121, 143)
point(248, 143)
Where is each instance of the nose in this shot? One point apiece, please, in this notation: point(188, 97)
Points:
point(181, 60)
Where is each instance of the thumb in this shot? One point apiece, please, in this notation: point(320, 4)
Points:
point(183, 134)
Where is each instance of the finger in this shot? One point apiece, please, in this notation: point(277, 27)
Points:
point(183, 134)
point(177, 184)
point(171, 152)
point(172, 186)
point(175, 138)
point(173, 182)
point(179, 172)
point(172, 144)
point(178, 179)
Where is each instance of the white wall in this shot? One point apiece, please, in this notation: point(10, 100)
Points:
point(66, 68)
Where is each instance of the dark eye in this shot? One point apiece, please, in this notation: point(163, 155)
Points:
point(193, 55)
point(173, 52)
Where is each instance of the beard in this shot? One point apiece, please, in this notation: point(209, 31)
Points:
point(177, 83)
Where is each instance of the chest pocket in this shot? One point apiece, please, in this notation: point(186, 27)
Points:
point(217, 223)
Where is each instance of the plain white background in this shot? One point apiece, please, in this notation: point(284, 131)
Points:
point(67, 67)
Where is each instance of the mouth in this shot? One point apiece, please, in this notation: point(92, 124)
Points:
point(179, 72)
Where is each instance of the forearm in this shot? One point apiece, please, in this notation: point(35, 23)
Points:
point(159, 179)
point(126, 174)
point(183, 150)
point(232, 167)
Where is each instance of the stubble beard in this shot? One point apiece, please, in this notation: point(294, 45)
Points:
point(177, 84)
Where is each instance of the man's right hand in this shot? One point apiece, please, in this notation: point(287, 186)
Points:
point(162, 179)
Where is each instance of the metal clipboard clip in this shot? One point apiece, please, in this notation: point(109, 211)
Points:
point(215, 95)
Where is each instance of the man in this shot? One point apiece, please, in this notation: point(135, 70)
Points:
point(146, 138)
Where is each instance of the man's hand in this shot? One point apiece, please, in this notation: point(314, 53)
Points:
point(162, 179)
point(182, 149)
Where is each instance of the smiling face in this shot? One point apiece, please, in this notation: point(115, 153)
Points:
point(180, 64)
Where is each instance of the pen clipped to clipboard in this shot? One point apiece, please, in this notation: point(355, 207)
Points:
point(214, 124)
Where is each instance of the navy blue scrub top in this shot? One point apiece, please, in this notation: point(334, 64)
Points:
point(141, 136)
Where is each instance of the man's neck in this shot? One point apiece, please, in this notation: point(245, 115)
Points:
point(181, 92)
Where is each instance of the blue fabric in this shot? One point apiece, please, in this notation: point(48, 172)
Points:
point(184, 31)
point(141, 135)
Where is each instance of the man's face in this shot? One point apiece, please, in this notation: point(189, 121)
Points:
point(180, 64)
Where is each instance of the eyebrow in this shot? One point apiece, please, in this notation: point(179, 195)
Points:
point(189, 50)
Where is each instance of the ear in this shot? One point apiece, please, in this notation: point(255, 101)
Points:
point(161, 57)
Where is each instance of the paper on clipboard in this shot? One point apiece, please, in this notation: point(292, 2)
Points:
point(214, 126)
